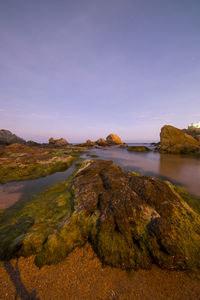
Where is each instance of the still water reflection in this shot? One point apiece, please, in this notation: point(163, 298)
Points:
point(15, 192)
point(179, 169)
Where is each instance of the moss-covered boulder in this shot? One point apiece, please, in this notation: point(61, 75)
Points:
point(138, 148)
point(131, 221)
point(22, 162)
point(59, 142)
point(174, 140)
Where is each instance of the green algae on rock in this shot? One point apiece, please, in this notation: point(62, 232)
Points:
point(192, 201)
point(131, 221)
point(24, 229)
point(21, 162)
point(138, 148)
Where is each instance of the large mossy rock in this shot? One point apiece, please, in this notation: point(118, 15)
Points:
point(138, 148)
point(8, 138)
point(113, 139)
point(174, 140)
point(21, 162)
point(131, 221)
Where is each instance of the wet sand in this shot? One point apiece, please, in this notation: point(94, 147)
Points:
point(9, 195)
point(81, 276)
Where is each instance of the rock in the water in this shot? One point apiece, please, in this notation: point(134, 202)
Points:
point(174, 140)
point(51, 140)
point(89, 143)
point(8, 138)
point(101, 142)
point(138, 148)
point(113, 139)
point(124, 145)
point(32, 143)
point(58, 142)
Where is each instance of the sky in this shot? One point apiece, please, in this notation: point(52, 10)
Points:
point(86, 68)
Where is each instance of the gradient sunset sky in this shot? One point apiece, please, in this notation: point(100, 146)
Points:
point(86, 68)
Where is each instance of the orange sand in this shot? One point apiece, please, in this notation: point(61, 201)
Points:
point(81, 276)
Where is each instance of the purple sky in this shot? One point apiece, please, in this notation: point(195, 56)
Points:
point(85, 68)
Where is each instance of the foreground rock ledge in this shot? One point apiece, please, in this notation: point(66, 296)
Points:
point(131, 221)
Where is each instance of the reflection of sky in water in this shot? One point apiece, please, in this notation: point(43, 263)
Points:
point(131, 161)
point(25, 190)
point(9, 195)
point(180, 170)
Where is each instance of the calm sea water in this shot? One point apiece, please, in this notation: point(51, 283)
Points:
point(15, 192)
point(181, 170)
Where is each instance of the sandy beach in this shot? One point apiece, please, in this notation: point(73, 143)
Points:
point(82, 276)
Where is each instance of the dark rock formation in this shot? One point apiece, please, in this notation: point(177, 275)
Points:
point(138, 148)
point(32, 143)
point(156, 146)
point(101, 142)
point(8, 138)
point(174, 140)
point(131, 221)
point(58, 142)
point(113, 139)
point(89, 143)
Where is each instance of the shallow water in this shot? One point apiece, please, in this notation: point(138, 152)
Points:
point(22, 191)
point(181, 170)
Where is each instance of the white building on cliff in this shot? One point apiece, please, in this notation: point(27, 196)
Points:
point(194, 125)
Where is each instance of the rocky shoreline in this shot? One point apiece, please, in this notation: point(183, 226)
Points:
point(21, 162)
point(172, 140)
point(130, 222)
